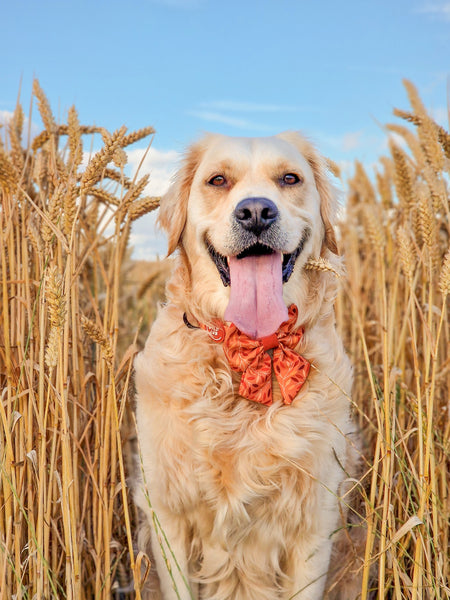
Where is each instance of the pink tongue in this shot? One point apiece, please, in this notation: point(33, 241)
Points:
point(256, 304)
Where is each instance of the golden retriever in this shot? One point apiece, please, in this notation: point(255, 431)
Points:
point(244, 493)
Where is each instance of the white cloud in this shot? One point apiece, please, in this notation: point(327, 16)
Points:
point(351, 141)
point(147, 240)
point(148, 243)
point(439, 10)
point(160, 164)
point(33, 128)
point(346, 142)
point(347, 168)
point(5, 116)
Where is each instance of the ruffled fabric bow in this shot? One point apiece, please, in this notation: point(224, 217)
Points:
point(252, 359)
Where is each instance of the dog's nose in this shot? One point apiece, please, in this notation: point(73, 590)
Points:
point(256, 214)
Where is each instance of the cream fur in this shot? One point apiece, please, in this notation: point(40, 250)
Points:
point(246, 495)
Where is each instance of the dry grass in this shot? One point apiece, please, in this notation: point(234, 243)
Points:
point(70, 308)
point(394, 315)
point(66, 518)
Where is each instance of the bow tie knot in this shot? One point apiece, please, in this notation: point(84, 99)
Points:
point(251, 358)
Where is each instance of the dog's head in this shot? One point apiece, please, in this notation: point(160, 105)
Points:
point(261, 202)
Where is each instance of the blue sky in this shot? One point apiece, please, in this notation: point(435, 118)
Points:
point(331, 69)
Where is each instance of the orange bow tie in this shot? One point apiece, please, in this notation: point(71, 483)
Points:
point(250, 357)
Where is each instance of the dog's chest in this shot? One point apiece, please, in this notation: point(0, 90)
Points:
point(247, 476)
point(241, 450)
point(241, 455)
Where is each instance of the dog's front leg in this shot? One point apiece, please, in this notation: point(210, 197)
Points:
point(310, 564)
point(169, 539)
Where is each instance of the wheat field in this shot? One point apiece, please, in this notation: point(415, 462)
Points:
point(75, 308)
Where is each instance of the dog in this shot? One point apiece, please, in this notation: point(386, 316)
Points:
point(243, 458)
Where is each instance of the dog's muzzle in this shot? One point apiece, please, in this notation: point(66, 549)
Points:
point(256, 214)
point(255, 232)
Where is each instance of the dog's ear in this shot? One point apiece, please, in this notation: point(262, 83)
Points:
point(327, 192)
point(328, 202)
point(173, 209)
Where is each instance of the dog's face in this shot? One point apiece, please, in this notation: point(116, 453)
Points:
point(236, 198)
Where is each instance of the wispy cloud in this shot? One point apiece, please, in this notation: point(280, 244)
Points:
point(250, 116)
point(438, 10)
point(187, 4)
point(347, 142)
point(441, 115)
point(351, 141)
point(252, 107)
point(373, 68)
point(232, 121)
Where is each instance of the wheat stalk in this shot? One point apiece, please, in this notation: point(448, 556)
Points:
point(70, 207)
point(62, 406)
point(52, 350)
point(403, 177)
point(321, 264)
point(444, 139)
point(104, 196)
point(75, 143)
point(333, 167)
point(136, 136)
point(406, 252)
point(54, 293)
point(141, 207)
point(8, 175)
point(53, 210)
point(94, 170)
point(427, 129)
point(35, 237)
point(426, 221)
point(98, 336)
point(444, 278)
point(384, 188)
point(132, 194)
point(399, 335)
point(66, 426)
point(374, 228)
point(44, 108)
point(120, 158)
point(15, 127)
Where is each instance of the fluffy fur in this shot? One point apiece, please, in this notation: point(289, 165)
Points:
point(246, 495)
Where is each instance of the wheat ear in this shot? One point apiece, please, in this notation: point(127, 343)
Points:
point(321, 264)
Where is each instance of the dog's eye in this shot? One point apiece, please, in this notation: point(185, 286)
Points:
point(218, 181)
point(290, 179)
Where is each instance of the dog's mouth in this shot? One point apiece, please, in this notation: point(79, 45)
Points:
point(257, 249)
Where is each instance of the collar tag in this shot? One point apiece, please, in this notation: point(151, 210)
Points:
point(216, 332)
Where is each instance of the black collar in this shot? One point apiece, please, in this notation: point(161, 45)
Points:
point(186, 322)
